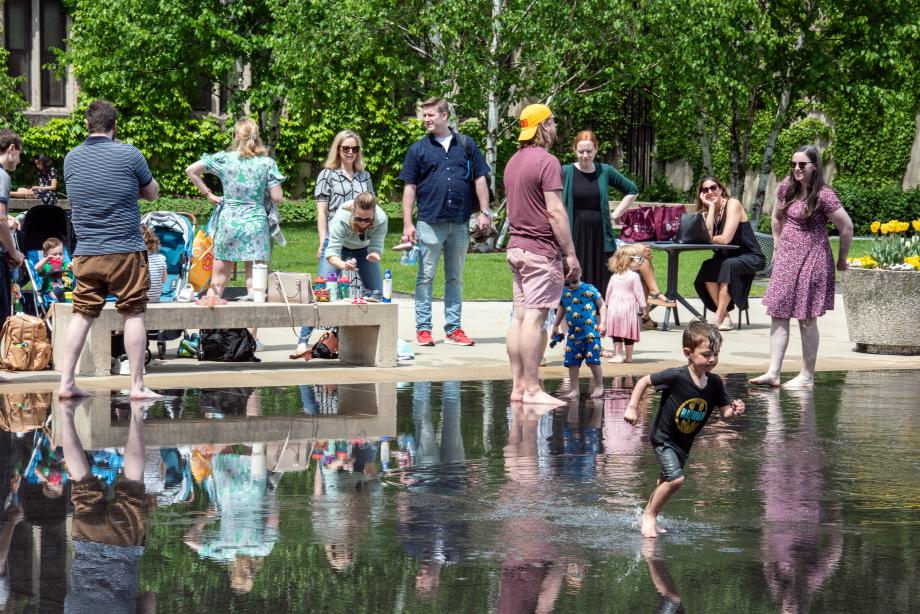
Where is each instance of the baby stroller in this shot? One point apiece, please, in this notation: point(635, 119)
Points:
point(38, 224)
point(176, 232)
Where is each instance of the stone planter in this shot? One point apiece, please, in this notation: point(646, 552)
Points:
point(883, 310)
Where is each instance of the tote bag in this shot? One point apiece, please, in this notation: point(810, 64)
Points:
point(199, 274)
point(638, 225)
point(667, 221)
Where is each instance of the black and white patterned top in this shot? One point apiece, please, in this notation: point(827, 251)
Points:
point(48, 197)
point(335, 188)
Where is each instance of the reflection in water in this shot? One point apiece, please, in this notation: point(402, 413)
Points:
point(359, 498)
point(109, 521)
point(802, 542)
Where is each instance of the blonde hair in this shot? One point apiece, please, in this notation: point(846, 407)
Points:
point(50, 243)
point(246, 139)
point(619, 261)
point(150, 239)
point(365, 201)
point(334, 160)
point(541, 138)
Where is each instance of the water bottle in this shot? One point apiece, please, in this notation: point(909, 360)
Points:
point(344, 285)
point(387, 286)
point(410, 256)
point(385, 453)
point(332, 285)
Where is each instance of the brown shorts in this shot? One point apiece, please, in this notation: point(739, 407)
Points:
point(537, 280)
point(120, 522)
point(124, 275)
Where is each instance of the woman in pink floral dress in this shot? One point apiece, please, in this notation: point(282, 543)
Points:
point(802, 282)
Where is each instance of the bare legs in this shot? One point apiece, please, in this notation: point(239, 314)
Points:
point(75, 457)
point(622, 352)
point(73, 345)
point(219, 275)
point(524, 346)
point(663, 491)
point(720, 296)
point(779, 341)
point(597, 382)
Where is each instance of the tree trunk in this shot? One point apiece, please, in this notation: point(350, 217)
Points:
point(493, 98)
point(738, 164)
point(704, 143)
point(769, 149)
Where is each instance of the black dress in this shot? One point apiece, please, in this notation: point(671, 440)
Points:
point(733, 267)
point(588, 230)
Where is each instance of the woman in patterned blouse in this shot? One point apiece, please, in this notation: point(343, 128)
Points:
point(47, 186)
point(342, 178)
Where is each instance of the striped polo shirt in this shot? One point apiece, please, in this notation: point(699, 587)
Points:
point(103, 180)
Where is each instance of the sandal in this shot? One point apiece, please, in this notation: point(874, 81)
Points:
point(305, 355)
point(649, 324)
point(657, 298)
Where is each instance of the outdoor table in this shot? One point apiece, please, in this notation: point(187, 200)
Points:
point(674, 250)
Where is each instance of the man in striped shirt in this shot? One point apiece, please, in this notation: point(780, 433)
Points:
point(10, 150)
point(104, 179)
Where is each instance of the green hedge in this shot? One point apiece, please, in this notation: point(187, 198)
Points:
point(867, 204)
point(292, 211)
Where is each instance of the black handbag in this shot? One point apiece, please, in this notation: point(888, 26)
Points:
point(227, 345)
point(692, 229)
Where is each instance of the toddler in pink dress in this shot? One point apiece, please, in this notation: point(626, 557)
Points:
point(625, 300)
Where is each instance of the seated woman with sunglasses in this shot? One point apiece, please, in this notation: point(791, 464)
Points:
point(356, 234)
point(719, 282)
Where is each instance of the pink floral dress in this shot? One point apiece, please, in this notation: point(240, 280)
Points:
point(802, 283)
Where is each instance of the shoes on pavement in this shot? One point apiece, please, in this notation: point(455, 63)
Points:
point(423, 337)
point(458, 337)
point(260, 347)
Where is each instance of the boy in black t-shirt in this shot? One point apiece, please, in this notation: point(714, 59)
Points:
point(687, 398)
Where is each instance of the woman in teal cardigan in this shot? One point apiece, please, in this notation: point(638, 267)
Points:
point(585, 191)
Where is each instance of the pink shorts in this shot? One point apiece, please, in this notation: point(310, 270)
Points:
point(537, 280)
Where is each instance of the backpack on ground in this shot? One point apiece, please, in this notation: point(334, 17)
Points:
point(227, 345)
point(24, 344)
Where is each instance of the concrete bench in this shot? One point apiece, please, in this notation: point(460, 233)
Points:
point(367, 333)
point(24, 204)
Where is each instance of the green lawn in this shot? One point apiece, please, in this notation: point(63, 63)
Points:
point(486, 276)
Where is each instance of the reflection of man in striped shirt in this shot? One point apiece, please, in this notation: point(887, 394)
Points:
point(104, 179)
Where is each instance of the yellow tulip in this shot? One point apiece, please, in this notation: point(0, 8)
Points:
point(916, 225)
point(903, 226)
point(886, 228)
point(875, 226)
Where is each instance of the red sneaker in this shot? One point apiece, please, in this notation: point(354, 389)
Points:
point(423, 337)
point(458, 337)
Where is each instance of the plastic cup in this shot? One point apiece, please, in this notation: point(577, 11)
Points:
point(68, 297)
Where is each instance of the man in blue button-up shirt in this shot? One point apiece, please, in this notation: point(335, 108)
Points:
point(446, 176)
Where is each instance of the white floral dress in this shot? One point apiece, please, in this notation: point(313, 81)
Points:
point(241, 231)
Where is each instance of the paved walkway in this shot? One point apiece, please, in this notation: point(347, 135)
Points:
point(744, 350)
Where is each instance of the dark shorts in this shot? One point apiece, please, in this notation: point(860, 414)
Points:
point(582, 350)
point(120, 522)
point(123, 275)
point(672, 463)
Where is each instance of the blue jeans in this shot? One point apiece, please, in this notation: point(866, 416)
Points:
point(324, 269)
point(453, 239)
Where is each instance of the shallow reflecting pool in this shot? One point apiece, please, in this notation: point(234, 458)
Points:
point(438, 497)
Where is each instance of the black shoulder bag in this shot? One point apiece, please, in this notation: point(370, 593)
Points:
point(692, 229)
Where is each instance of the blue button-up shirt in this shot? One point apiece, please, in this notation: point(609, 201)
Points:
point(444, 179)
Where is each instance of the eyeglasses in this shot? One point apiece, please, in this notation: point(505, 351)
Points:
point(799, 165)
point(639, 259)
point(706, 189)
point(363, 220)
point(350, 149)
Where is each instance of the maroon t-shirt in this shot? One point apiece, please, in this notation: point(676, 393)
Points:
point(529, 173)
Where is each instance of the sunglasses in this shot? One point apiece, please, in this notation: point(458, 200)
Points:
point(350, 149)
point(639, 259)
point(363, 220)
point(799, 165)
point(706, 189)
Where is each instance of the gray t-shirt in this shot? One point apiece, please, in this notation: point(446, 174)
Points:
point(103, 578)
point(6, 185)
point(104, 179)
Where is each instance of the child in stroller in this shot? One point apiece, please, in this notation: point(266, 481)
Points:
point(55, 273)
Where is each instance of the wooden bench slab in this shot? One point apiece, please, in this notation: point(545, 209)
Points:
point(367, 333)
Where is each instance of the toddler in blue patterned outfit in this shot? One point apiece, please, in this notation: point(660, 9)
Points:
point(585, 313)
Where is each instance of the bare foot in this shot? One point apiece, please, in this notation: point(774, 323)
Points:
point(597, 392)
point(616, 359)
point(71, 392)
point(517, 395)
point(767, 379)
point(542, 398)
point(800, 382)
point(144, 393)
point(649, 527)
point(570, 395)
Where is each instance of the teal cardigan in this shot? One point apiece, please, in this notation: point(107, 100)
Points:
point(607, 177)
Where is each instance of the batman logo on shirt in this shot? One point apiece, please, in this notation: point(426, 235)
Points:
point(690, 415)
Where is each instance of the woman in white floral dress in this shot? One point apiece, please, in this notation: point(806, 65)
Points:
point(241, 231)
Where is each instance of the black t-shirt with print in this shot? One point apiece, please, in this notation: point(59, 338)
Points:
point(685, 407)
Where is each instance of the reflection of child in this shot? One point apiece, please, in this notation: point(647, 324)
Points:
point(687, 398)
point(583, 310)
point(156, 265)
point(56, 277)
point(625, 299)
